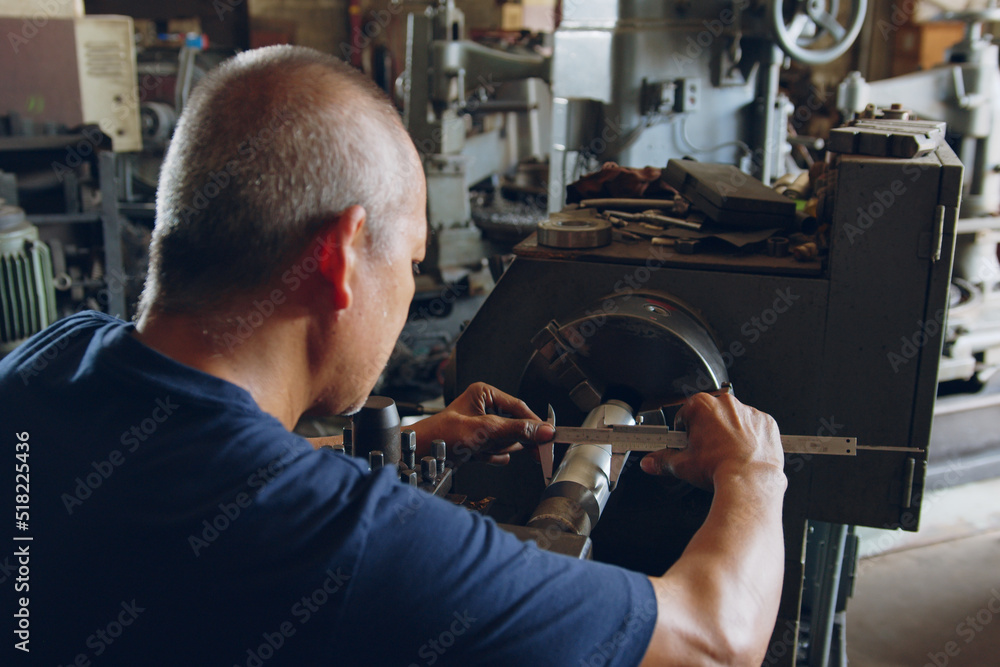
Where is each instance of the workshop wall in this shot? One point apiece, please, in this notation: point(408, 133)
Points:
point(320, 24)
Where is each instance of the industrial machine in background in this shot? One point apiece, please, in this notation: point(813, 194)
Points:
point(617, 320)
point(90, 103)
point(641, 82)
point(636, 83)
point(475, 113)
point(965, 92)
point(72, 114)
point(27, 295)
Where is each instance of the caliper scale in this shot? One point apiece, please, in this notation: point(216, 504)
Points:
point(652, 438)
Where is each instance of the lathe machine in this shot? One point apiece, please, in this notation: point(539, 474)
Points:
point(844, 343)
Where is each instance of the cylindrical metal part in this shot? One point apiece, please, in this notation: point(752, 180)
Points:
point(408, 476)
point(376, 427)
point(590, 233)
point(440, 453)
point(777, 246)
point(428, 469)
point(375, 460)
point(408, 448)
point(573, 502)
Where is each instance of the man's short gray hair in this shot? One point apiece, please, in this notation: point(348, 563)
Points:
point(272, 145)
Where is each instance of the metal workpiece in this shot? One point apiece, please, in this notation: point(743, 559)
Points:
point(569, 232)
point(375, 460)
point(580, 488)
point(338, 449)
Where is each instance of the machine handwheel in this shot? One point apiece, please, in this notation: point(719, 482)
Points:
point(799, 24)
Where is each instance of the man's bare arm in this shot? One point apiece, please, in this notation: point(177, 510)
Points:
point(717, 604)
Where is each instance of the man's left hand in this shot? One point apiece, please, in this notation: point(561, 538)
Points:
point(473, 428)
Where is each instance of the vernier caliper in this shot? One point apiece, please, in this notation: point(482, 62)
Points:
point(625, 439)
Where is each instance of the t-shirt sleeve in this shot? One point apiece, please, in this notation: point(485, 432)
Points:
point(436, 584)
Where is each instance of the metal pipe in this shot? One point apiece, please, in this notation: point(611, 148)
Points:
point(580, 488)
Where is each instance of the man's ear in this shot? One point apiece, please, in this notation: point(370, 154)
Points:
point(340, 242)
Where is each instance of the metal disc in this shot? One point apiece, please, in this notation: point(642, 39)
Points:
point(563, 233)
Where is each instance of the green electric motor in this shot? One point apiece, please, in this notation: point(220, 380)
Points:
point(27, 295)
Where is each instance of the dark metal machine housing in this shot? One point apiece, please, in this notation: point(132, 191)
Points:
point(847, 343)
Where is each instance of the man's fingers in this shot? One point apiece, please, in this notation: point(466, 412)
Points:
point(527, 431)
point(513, 406)
point(658, 463)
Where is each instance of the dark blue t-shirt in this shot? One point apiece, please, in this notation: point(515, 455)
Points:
point(173, 522)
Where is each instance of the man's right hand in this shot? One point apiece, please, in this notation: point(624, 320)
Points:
point(717, 604)
point(724, 436)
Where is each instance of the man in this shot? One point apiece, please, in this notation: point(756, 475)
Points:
point(176, 520)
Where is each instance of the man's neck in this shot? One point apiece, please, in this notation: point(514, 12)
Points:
point(269, 360)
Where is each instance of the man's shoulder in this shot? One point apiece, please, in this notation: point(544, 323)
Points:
point(40, 351)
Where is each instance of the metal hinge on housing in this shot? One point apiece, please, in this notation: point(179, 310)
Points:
point(937, 235)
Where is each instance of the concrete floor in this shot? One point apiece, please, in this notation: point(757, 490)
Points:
point(931, 598)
